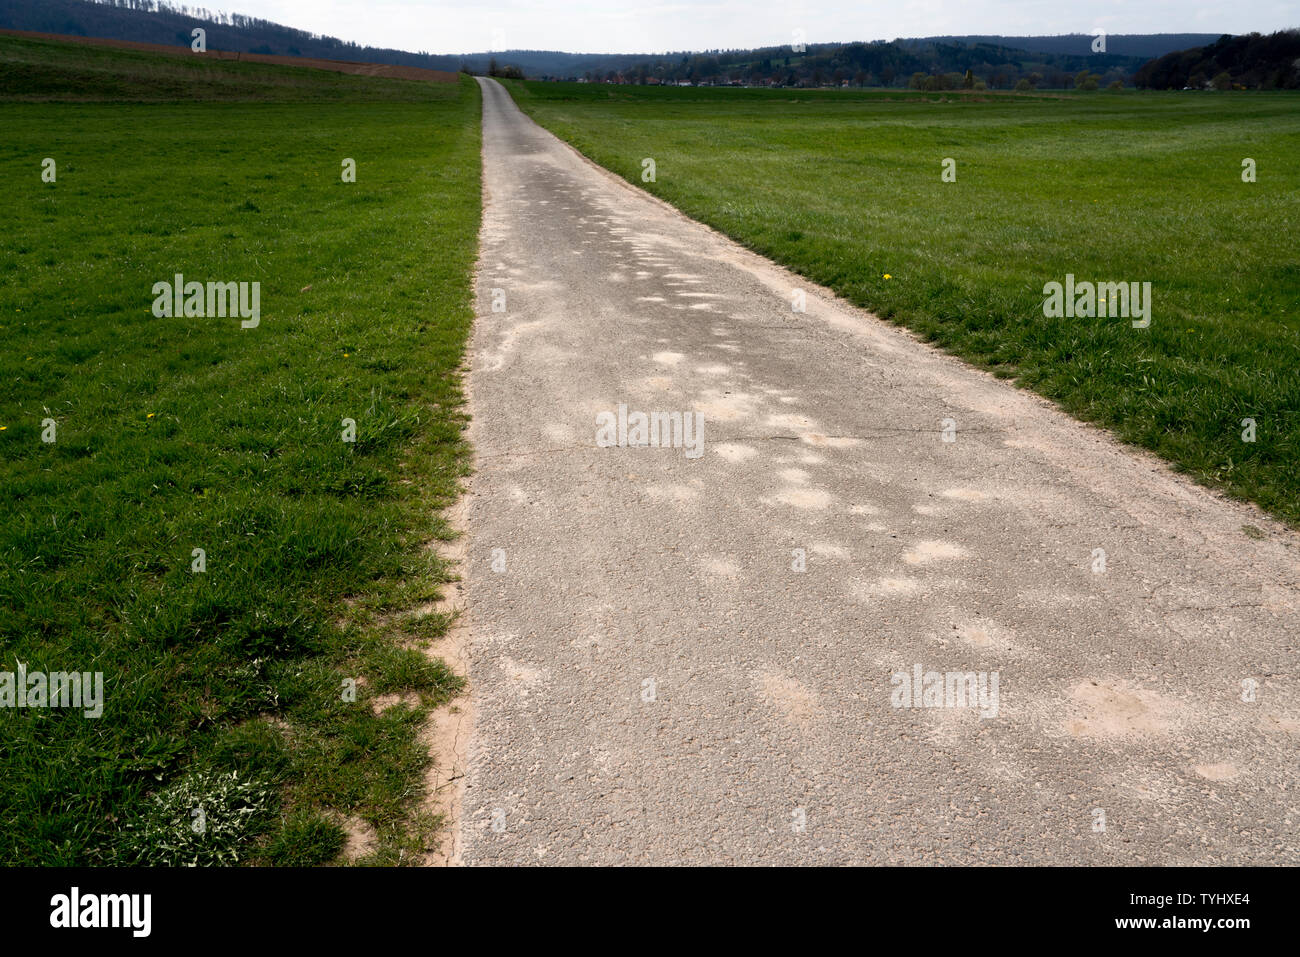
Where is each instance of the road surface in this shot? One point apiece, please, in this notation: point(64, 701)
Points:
point(682, 658)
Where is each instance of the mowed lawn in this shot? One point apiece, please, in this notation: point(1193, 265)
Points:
point(846, 189)
point(230, 731)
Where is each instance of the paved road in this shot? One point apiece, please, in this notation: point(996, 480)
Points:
point(655, 681)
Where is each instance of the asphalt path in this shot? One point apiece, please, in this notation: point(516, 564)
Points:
point(708, 651)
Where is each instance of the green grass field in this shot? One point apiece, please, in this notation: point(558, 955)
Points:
point(43, 71)
point(225, 689)
point(845, 188)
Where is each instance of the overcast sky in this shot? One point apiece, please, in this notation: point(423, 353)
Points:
point(631, 26)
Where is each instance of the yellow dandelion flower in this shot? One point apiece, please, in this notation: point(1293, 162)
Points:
point(888, 276)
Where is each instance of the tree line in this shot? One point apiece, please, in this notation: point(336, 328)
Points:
point(1248, 62)
point(894, 63)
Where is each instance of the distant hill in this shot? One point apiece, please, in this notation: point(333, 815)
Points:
point(1252, 61)
point(1004, 59)
point(1123, 44)
point(998, 62)
point(151, 21)
point(156, 21)
point(38, 68)
point(895, 63)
